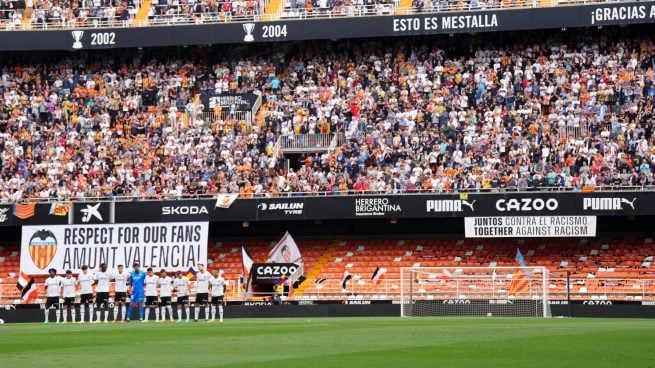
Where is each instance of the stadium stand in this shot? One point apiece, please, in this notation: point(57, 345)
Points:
point(599, 269)
point(403, 117)
point(56, 14)
point(72, 14)
point(201, 12)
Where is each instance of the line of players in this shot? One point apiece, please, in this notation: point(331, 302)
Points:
point(129, 289)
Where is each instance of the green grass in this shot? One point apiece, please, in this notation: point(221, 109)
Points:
point(335, 342)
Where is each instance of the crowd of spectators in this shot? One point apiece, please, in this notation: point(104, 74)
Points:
point(338, 7)
point(11, 13)
point(204, 10)
point(433, 114)
point(79, 13)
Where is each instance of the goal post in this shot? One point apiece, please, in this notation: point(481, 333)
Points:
point(474, 291)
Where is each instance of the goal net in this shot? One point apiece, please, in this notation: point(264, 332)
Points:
point(474, 291)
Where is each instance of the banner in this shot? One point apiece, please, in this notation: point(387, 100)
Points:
point(171, 246)
point(231, 208)
point(5, 215)
point(271, 273)
point(425, 23)
point(241, 101)
point(530, 226)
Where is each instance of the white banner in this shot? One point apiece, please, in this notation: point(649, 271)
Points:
point(171, 246)
point(530, 226)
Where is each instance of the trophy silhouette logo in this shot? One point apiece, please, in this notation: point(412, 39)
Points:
point(248, 28)
point(77, 36)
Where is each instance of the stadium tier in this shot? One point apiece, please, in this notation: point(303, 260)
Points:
point(145, 153)
point(598, 269)
point(379, 117)
point(82, 25)
point(47, 14)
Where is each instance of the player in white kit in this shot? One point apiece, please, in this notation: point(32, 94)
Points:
point(219, 285)
point(103, 278)
point(69, 284)
point(202, 291)
point(53, 286)
point(85, 280)
point(151, 282)
point(165, 294)
point(120, 278)
point(181, 284)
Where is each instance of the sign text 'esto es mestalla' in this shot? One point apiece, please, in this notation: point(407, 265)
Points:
point(445, 22)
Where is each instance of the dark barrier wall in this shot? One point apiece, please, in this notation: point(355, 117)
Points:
point(356, 27)
point(632, 310)
point(424, 206)
point(241, 311)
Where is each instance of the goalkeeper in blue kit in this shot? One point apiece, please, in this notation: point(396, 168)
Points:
point(137, 282)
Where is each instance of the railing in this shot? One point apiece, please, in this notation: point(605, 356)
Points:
point(579, 289)
point(604, 289)
point(305, 142)
point(346, 11)
point(572, 132)
point(90, 21)
point(318, 13)
point(346, 193)
point(211, 117)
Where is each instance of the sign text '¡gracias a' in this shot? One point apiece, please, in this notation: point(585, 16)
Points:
point(622, 12)
point(445, 22)
point(173, 246)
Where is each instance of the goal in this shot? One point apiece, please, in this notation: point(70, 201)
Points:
point(474, 291)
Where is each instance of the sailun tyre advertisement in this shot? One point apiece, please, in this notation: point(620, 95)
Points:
point(170, 246)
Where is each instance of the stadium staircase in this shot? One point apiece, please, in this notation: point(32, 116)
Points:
point(315, 272)
point(141, 17)
point(27, 17)
point(273, 9)
point(547, 3)
point(404, 6)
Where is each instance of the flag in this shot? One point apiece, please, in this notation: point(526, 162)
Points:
point(321, 280)
point(519, 284)
point(378, 275)
point(346, 278)
point(59, 208)
point(24, 210)
point(246, 260)
point(27, 288)
point(446, 274)
point(285, 251)
point(292, 291)
point(226, 200)
point(191, 273)
point(521, 261)
point(281, 280)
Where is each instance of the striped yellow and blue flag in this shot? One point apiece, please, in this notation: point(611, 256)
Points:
point(521, 261)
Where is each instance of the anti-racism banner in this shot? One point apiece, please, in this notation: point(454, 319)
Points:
point(170, 246)
point(271, 273)
point(530, 226)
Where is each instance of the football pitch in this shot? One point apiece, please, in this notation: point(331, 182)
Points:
point(335, 342)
